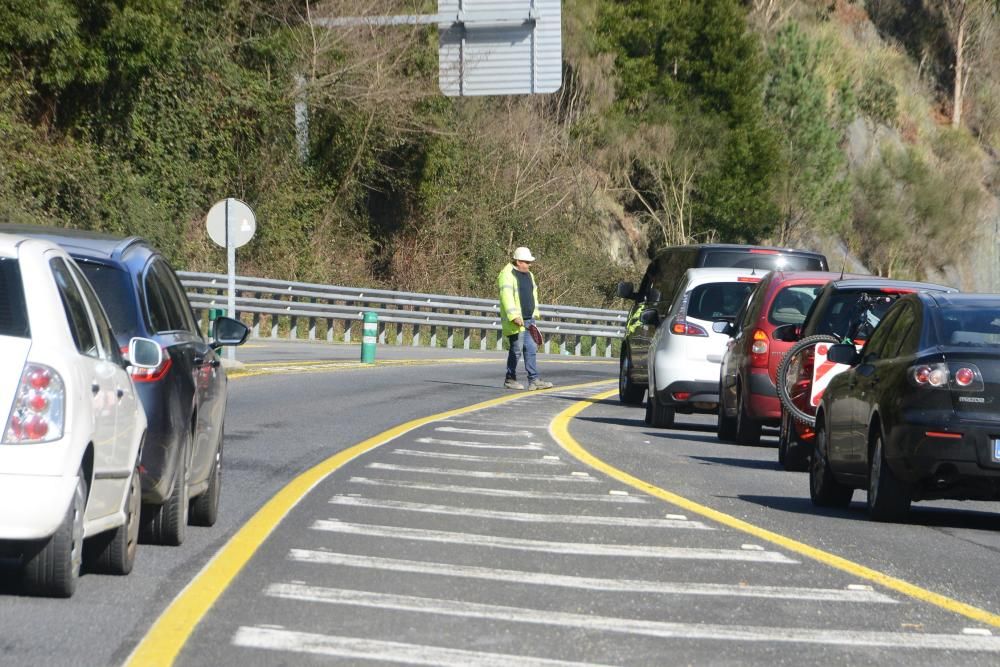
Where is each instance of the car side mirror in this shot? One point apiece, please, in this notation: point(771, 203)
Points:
point(227, 331)
point(626, 291)
point(650, 317)
point(844, 353)
point(787, 333)
point(144, 353)
point(723, 327)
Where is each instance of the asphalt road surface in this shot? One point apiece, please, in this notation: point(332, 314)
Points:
point(551, 528)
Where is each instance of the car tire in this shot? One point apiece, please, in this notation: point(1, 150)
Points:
point(888, 497)
point(747, 428)
point(824, 489)
point(629, 393)
point(726, 427)
point(792, 454)
point(114, 552)
point(205, 506)
point(167, 523)
point(53, 568)
point(660, 416)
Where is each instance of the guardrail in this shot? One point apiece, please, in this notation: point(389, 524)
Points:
point(309, 311)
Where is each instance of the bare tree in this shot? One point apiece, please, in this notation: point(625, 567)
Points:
point(967, 22)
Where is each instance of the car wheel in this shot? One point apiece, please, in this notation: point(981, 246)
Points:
point(726, 427)
point(113, 552)
point(167, 524)
point(747, 428)
point(660, 416)
point(54, 568)
point(888, 497)
point(792, 454)
point(628, 392)
point(205, 507)
point(824, 489)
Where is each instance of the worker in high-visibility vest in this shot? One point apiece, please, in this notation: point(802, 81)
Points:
point(518, 311)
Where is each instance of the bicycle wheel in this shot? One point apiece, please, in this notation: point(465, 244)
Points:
point(795, 378)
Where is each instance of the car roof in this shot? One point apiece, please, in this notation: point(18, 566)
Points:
point(963, 299)
point(9, 243)
point(745, 246)
point(877, 282)
point(721, 274)
point(95, 245)
point(788, 276)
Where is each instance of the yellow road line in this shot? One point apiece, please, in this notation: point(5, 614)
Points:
point(170, 632)
point(560, 431)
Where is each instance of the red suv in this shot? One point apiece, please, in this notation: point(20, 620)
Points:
point(748, 399)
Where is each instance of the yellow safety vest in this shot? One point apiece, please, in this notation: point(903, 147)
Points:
point(510, 300)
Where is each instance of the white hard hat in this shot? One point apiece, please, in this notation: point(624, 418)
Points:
point(523, 254)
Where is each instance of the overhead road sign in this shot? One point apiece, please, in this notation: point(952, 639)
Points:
point(489, 47)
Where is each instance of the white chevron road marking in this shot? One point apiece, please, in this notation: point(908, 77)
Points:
point(573, 548)
point(704, 631)
point(589, 583)
point(526, 517)
point(480, 474)
point(500, 493)
point(275, 639)
point(477, 458)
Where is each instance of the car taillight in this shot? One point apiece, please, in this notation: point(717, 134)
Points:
point(39, 407)
point(758, 349)
point(960, 376)
point(150, 374)
point(682, 327)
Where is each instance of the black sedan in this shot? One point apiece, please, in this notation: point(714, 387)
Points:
point(184, 397)
point(917, 416)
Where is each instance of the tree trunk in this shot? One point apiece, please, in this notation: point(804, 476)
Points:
point(956, 112)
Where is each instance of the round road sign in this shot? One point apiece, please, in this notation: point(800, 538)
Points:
point(241, 222)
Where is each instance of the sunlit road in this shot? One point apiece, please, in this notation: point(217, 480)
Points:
point(549, 529)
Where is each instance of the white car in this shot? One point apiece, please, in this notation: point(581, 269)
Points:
point(73, 425)
point(686, 352)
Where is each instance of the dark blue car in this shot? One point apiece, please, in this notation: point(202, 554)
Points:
point(184, 397)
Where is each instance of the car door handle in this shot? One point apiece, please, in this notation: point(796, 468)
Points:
point(199, 361)
point(215, 363)
point(121, 393)
point(95, 389)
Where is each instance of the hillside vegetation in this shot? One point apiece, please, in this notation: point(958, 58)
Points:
point(828, 125)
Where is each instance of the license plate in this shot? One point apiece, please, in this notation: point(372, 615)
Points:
point(996, 449)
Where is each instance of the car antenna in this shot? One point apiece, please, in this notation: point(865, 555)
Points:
point(844, 267)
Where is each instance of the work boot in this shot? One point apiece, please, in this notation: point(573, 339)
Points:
point(511, 383)
point(539, 384)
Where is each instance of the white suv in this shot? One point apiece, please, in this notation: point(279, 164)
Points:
point(72, 424)
point(686, 350)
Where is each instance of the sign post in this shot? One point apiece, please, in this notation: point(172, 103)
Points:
point(231, 224)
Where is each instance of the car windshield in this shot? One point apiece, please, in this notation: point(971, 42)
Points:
point(791, 304)
point(112, 287)
point(13, 314)
point(968, 326)
point(744, 259)
point(714, 301)
point(854, 313)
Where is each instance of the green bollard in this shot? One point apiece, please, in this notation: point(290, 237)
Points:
point(369, 338)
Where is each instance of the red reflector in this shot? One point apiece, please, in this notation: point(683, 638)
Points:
point(682, 395)
point(943, 434)
point(747, 279)
point(763, 251)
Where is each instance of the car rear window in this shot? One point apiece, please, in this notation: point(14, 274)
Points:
point(842, 316)
point(13, 314)
point(968, 326)
point(792, 303)
point(714, 301)
point(113, 289)
point(746, 259)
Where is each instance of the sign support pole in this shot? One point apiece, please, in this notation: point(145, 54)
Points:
point(231, 269)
